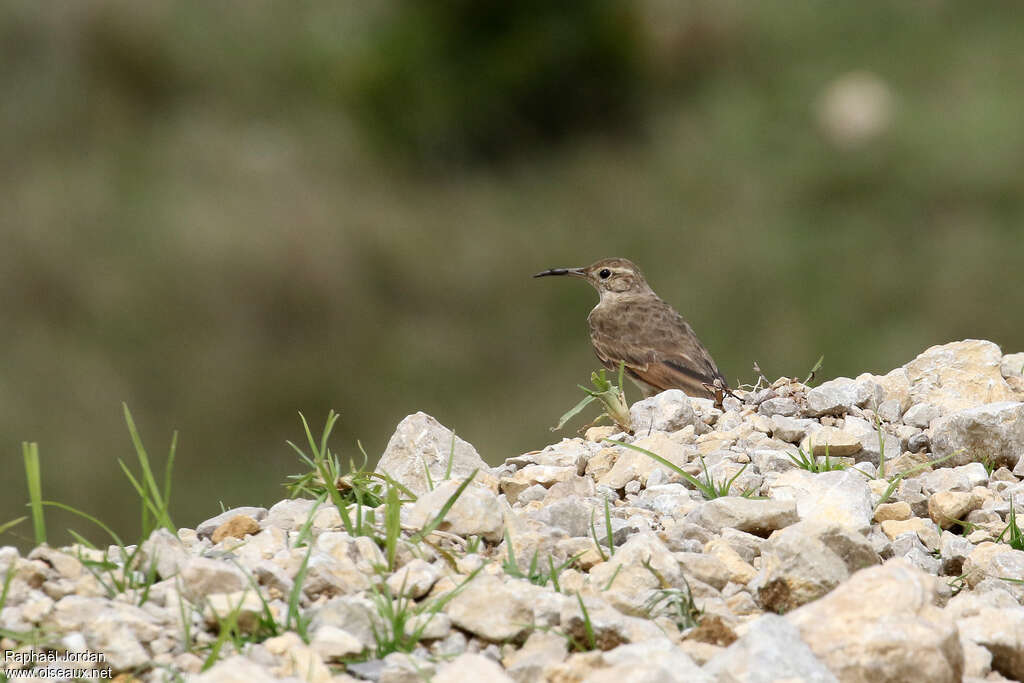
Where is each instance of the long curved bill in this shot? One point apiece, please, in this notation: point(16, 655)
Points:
point(573, 272)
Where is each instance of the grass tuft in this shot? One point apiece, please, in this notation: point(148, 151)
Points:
point(1014, 536)
point(535, 574)
point(611, 396)
point(155, 501)
point(398, 611)
point(709, 488)
point(808, 461)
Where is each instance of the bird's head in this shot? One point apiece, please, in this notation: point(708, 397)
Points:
point(610, 276)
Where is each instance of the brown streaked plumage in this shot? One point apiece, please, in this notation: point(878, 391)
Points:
point(631, 324)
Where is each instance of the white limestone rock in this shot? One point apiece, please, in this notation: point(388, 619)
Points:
point(883, 624)
point(420, 442)
point(994, 431)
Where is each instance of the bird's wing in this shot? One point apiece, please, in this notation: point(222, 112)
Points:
point(673, 359)
point(661, 371)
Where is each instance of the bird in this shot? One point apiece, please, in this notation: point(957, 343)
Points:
point(631, 325)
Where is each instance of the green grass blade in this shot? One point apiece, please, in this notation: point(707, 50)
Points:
point(426, 472)
point(85, 515)
point(294, 620)
point(169, 468)
point(728, 484)
point(451, 459)
point(593, 535)
point(392, 526)
point(304, 533)
point(332, 417)
point(30, 454)
point(881, 448)
point(574, 411)
point(817, 366)
point(895, 481)
point(149, 491)
point(611, 580)
point(588, 626)
point(608, 528)
point(436, 521)
point(706, 490)
point(410, 496)
point(148, 506)
point(227, 627)
point(140, 451)
point(8, 577)
point(11, 524)
point(81, 540)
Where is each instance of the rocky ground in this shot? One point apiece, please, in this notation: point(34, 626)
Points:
point(896, 565)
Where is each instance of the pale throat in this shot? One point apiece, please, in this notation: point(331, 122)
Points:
point(610, 298)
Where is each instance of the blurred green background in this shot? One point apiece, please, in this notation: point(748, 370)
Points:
point(225, 213)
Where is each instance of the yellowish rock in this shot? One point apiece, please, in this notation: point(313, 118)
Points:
point(924, 529)
point(947, 507)
point(899, 511)
point(958, 375)
point(297, 659)
point(834, 442)
point(599, 434)
point(238, 526)
point(737, 569)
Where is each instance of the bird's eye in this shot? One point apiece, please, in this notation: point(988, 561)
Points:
point(604, 274)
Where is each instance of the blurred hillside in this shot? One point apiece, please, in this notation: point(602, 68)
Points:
point(224, 213)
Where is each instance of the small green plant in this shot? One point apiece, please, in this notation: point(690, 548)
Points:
point(359, 485)
point(814, 370)
point(535, 573)
point(121, 573)
point(988, 462)
point(611, 396)
point(808, 461)
point(607, 530)
point(675, 603)
point(709, 488)
point(360, 493)
point(359, 489)
point(581, 637)
point(398, 611)
point(266, 626)
point(894, 482)
point(589, 639)
point(227, 629)
point(720, 489)
point(473, 545)
point(1014, 536)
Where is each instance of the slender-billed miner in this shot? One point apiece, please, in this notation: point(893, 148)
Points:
point(634, 326)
